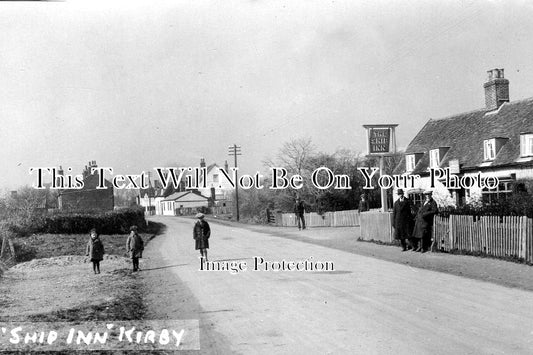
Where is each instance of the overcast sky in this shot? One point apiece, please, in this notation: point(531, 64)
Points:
point(135, 85)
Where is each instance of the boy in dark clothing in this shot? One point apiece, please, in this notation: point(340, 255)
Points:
point(135, 247)
point(95, 251)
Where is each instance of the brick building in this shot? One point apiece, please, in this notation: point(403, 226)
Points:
point(89, 198)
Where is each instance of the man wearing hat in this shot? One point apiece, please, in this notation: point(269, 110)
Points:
point(424, 222)
point(402, 219)
point(201, 234)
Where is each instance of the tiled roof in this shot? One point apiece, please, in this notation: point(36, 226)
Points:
point(464, 135)
point(178, 195)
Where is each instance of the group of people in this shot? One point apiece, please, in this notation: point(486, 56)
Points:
point(414, 230)
point(134, 247)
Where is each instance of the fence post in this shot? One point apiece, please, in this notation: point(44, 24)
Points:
point(523, 231)
point(451, 234)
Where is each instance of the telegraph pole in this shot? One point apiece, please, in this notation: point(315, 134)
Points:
point(236, 150)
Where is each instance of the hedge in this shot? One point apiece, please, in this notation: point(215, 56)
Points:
point(113, 222)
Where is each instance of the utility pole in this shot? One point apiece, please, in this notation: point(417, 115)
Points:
point(149, 198)
point(236, 150)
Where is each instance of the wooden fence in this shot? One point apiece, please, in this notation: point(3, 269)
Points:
point(376, 226)
point(507, 236)
point(329, 219)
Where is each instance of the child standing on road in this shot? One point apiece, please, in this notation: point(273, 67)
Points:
point(135, 247)
point(95, 250)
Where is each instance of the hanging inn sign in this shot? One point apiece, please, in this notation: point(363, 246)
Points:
point(381, 142)
point(381, 139)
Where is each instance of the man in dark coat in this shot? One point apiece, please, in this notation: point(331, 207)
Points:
point(363, 204)
point(299, 210)
point(424, 222)
point(201, 234)
point(135, 247)
point(402, 219)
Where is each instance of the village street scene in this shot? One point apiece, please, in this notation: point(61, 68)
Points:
point(266, 177)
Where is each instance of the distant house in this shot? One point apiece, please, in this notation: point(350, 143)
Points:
point(151, 197)
point(89, 198)
point(218, 189)
point(496, 141)
point(181, 203)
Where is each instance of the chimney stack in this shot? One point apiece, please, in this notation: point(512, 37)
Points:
point(496, 89)
point(202, 163)
point(226, 166)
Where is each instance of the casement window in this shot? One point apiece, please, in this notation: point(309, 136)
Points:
point(489, 149)
point(526, 145)
point(434, 158)
point(215, 178)
point(410, 162)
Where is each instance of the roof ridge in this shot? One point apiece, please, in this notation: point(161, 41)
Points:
point(515, 102)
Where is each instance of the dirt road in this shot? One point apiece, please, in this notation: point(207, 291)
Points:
point(365, 306)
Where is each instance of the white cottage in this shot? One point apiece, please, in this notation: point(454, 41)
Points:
point(494, 141)
point(182, 203)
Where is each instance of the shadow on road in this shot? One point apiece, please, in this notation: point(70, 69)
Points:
point(164, 267)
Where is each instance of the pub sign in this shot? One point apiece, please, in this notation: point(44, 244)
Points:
point(381, 139)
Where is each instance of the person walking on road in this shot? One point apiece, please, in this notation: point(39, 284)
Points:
point(135, 247)
point(201, 234)
point(299, 210)
point(402, 219)
point(424, 222)
point(95, 250)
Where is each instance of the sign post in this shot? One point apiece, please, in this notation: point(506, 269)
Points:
point(381, 142)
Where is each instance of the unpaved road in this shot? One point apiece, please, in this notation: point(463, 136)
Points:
point(366, 306)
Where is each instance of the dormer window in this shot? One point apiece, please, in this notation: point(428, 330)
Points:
point(526, 144)
point(410, 162)
point(489, 149)
point(434, 158)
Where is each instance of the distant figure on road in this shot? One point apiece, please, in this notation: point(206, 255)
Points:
point(201, 234)
point(95, 250)
point(135, 247)
point(363, 204)
point(424, 223)
point(299, 210)
point(402, 219)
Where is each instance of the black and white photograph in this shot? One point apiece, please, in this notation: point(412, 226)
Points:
point(266, 177)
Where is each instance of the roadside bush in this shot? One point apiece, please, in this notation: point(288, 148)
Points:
point(114, 222)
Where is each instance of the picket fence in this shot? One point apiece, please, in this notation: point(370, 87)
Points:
point(500, 236)
point(328, 219)
point(376, 226)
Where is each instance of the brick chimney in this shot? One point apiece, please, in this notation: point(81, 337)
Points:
point(496, 89)
point(202, 163)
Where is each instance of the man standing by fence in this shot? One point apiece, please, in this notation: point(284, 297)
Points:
point(424, 222)
point(299, 211)
point(402, 219)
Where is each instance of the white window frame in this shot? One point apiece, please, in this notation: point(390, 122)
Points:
point(526, 145)
point(410, 162)
point(489, 149)
point(434, 158)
